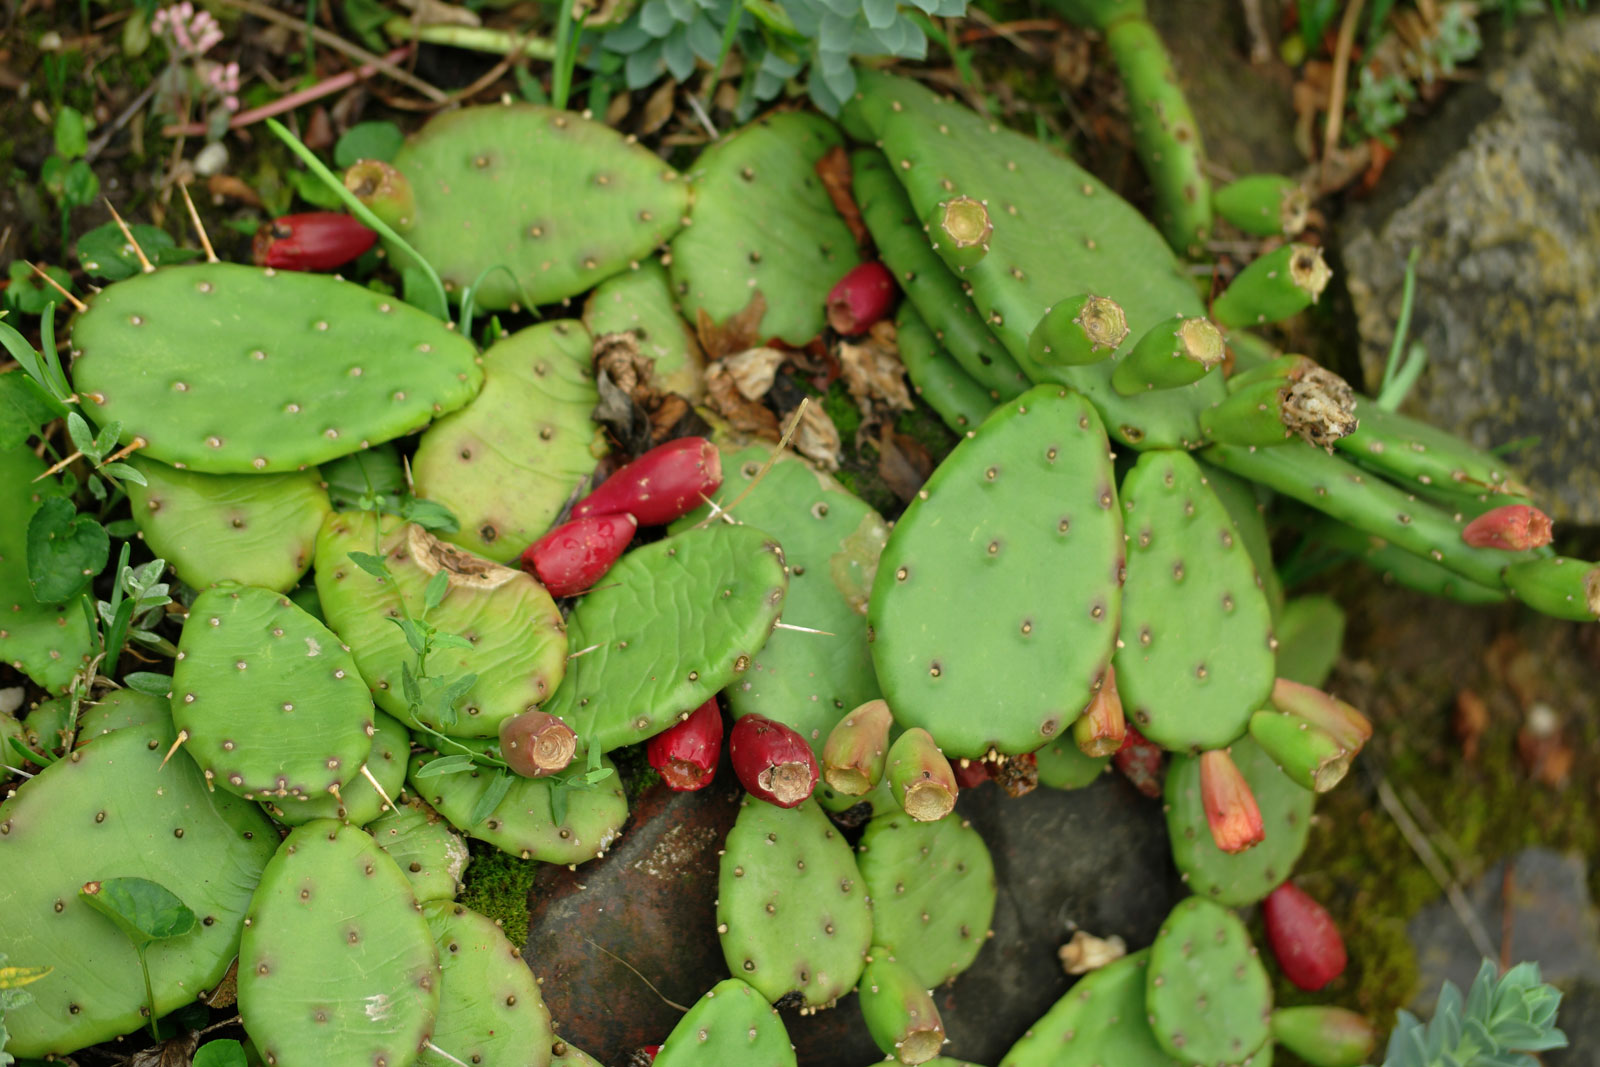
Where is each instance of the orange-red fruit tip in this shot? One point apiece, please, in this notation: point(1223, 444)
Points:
point(686, 753)
point(1231, 809)
point(1347, 725)
point(576, 555)
point(861, 299)
point(1514, 527)
point(665, 483)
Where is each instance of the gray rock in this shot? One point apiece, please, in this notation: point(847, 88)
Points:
point(1501, 190)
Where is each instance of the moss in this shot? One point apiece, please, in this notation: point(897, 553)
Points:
point(633, 764)
point(497, 885)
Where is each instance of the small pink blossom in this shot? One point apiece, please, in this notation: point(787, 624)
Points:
point(191, 33)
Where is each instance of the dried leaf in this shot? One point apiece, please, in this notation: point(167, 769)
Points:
point(230, 188)
point(658, 109)
point(834, 170)
point(746, 416)
point(1085, 952)
point(873, 372)
point(1471, 720)
point(740, 332)
point(817, 438)
point(753, 370)
point(903, 463)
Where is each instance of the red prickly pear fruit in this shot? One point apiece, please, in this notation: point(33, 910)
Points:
point(536, 744)
point(1303, 938)
point(854, 753)
point(920, 778)
point(1140, 761)
point(970, 773)
point(1231, 809)
point(1325, 1036)
point(773, 762)
point(573, 557)
point(861, 298)
point(1515, 528)
point(665, 483)
point(1347, 725)
point(1101, 728)
point(686, 753)
point(316, 240)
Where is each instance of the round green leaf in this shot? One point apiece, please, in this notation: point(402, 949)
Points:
point(368, 140)
point(144, 910)
point(65, 551)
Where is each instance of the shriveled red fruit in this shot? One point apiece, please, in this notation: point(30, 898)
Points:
point(1101, 729)
point(1017, 775)
point(536, 743)
point(686, 753)
point(1139, 760)
point(1231, 809)
point(1303, 938)
point(773, 762)
point(315, 240)
point(970, 773)
point(1515, 527)
point(665, 483)
point(575, 555)
point(861, 298)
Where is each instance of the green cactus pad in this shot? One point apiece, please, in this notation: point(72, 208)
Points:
point(792, 908)
point(359, 803)
point(47, 642)
point(730, 1025)
point(1310, 635)
point(119, 709)
point(1063, 765)
point(831, 541)
point(1411, 451)
point(423, 846)
point(507, 464)
point(559, 201)
point(1280, 284)
point(641, 302)
point(1021, 517)
point(930, 287)
point(937, 147)
point(676, 622)
point(763, 225)
point(255, 529)
point(933, 893)
point(1399, 567)
point(1246, 509)
point(899, 1011)
point(1196, 645)
point(961, 402)
point(568, 1055)
point(1560, 586)
point(228, 369)
point(1099, 1022)
point(1266, 205)
point(50, 726)
point(110, 810)
point(1239, 878)
point(1209, 997)
point(271, 701)
point(522, 823)
point(490, 1009)
point(518, 647)
point(336, 964)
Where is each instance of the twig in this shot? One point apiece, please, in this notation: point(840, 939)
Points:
point(642, 978)
point(473, 38)
point(1430, 859)
point(339, 44)
point(74, 301)
point(98, 145)
point(1341, 74)
point(337, 83)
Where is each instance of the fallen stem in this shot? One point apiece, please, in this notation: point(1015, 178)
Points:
point(472, 38)
point(335, 84)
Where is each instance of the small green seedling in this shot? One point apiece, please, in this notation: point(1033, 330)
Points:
point(225, 1053)
point(146, 912)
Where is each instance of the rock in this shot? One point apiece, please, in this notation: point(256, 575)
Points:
point(1500, 189)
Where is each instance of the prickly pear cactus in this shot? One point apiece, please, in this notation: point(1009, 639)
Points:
point(121, 708)
point(490, 1009)
point(676, 622)
point(792, 907)
point(899, 1010)
point(47, 642)
point(568, 1055)
point(1239, 878)
point(529, 428)
point(1208, 995)
point(523, 823)
point(1063, 765)
point(360, 802)
point(731, 1024)
point(228, 369)
point(949, 390)
point(270, 701)
point(336, 964)
point(831, 541)
point(933, 893)
point(112, 810)
point(253, 529)
point(1100, 1020)
point(1196, 645)
point(1032, 486)
point(559, 201)
point(518, 644)
point(423, 846)
point(641, 302)
point(763, 228)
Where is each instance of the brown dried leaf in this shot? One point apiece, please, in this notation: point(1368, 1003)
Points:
point(817, 438)
point(739, 332)
point(754, 370)
point(746, 416)
point(658, 109)
point(834, 170)
point(230, 188)
point(873, 372)
point(1471, 720)
point(903, 463)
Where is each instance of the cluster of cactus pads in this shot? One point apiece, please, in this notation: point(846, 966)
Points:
point(326, 741)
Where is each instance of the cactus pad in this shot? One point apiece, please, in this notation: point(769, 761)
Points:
point(1021, 519)
point(359, 803)
point(731, 1024)
point(792, 907)
point(229, 369)
point(423, 846)
point(111, 810)
point(518, 647)
point(119, 709)
point(336, 964)
point(949, 390)
point(271, 701)
point(899, 1011)
point(763, 226)
point(255, 529)
point(47, 642)
point(641, 302)
point(1196, 650)
point(507, 464)
point(1063, 765)
point(1240, 878)
point(1099, 1021)
point(1209, 997)
point(933, 893)
point(677, 621)
point(490, 1009)
point(559, 201)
